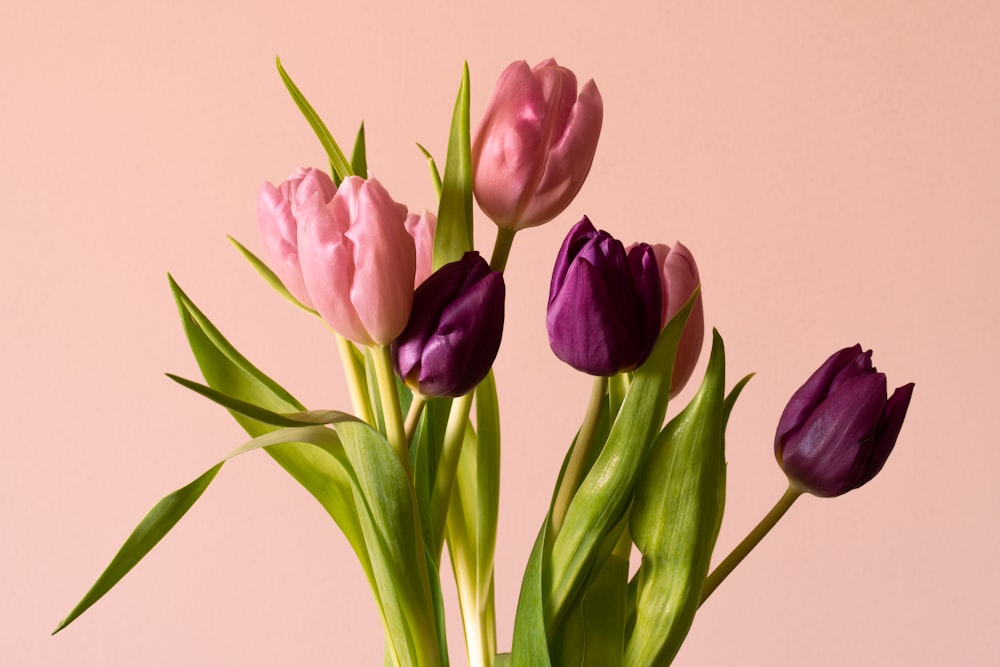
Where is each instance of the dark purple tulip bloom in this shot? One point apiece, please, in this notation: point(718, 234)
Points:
point(838, 429)
point(604, 304)
point(454, 331)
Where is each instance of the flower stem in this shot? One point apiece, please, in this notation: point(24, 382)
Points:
point(423, 627)
point(355, 375)
point(413, 417)
point(395, 432)
point(501, 248)
point(578, 457)
point(749, 542)
point(444, 479)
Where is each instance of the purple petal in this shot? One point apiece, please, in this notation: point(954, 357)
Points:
point(825, 455)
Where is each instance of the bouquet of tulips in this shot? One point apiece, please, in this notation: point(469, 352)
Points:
point(418, 314)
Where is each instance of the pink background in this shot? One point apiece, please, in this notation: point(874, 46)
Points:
point(834, 166)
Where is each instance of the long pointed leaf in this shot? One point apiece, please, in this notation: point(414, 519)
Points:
point(229, 372)
point(157, 523)
point(268, 275)
point(453, 235)
point(168, 511)
point(338, 161)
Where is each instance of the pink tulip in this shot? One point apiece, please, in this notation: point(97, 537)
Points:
point(277, 218)
point(535, 144)
point(679, 276)
point(421, 228)
point(358, 261)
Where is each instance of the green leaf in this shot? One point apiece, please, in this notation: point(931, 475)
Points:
point(166, 513)
point(396, 550)
point(674, 520)
point(435, 174)
point(453, 235)
point(268, 275)
point(606, 492)
point(359, 158)
point(487, 480)
point(157, 523)
point(230, 373)
point(425, 453)
point(593, 633)
point(529, 647)
point(293, 419)
point(338, 161)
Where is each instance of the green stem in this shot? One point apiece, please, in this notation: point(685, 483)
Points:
point(413, 417)
point(424, 628)
point(444, 479)
point(356, 385)
point(749, 542)
point(395, 432)
point(501, 248)
point(578, 457)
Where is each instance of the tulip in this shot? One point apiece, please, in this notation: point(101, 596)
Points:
point(604, 304)
point(838, 429)
point(454, 331)
point(277, 218)
point(679, 276)
point(535, 144)
point(358, 261)
point(421, 228)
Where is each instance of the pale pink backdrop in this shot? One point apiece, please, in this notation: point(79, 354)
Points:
point(834, 166)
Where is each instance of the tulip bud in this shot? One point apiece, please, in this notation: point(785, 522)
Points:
point(604, 304)
point(535, 144)
point(421, 228)
point(679, 275)
point(454, 331)
point(838, 429)
point(358, 261)
point(277, 218)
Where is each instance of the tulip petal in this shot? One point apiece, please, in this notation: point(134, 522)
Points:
point(581, 333)
point(646, 274)
point(279, 235)
point(569, 158)
point(887, 432)
point(825, 455)
point(811, 394)
point(328, 267)
point(384, 258)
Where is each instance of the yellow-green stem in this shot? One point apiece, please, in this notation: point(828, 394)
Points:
point(424, 628)
point(413, 417)
point(444, 479)
point(355, 381)
point(395, 432)
point(749, 542)
point(501, 248)
point(578, 457)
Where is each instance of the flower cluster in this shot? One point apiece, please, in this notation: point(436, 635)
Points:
point(423, 342)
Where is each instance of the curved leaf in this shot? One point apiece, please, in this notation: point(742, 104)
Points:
point(674, 520)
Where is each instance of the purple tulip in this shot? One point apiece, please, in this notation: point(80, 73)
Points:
point(454, 331)
point(838, 429)
point(278, 214)
point(604, 304)
point(535, 144)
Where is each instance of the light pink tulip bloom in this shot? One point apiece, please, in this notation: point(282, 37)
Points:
point(535, 144)
point(277, 219)
point(358, 261)
point(679, 278)
point(421, 228)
